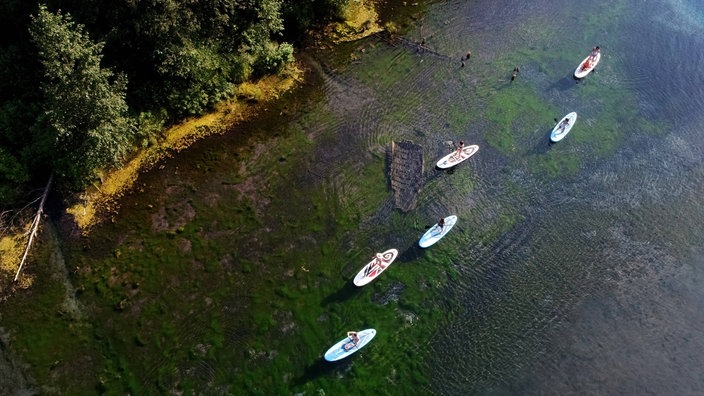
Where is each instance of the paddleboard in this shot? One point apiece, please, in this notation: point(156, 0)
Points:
point(346, 347)
point(557, 134)
point(454, 158)
point(581, 71)
point(374, 269)
point(435, 233)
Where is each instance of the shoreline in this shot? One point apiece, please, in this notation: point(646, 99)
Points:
point(99, 202)
point(96, 203)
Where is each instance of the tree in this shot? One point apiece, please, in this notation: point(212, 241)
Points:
point(84, 104)
point(197, 78)
point(301, 16)
point(269, 57)
point(212, 46)
point(12, 175)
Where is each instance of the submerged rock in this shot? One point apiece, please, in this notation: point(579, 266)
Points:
point(392, 294)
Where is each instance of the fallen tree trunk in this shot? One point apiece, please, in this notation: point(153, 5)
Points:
point(406, 173)
point(35, 226)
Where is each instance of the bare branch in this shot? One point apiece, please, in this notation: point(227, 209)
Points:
point(35, 225)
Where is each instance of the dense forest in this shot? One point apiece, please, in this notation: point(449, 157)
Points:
point(84, 82)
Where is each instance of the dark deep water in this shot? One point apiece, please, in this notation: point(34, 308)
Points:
point(623, 237)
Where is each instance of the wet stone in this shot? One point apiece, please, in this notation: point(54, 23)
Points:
point(406, 173)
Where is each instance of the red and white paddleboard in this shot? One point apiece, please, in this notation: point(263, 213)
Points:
point(375, 267)
point(584, 68)
point(455, 158)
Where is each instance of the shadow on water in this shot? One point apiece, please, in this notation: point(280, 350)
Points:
point(347, 291)
point(565, 83)
point(543, 145)
point(411, 253)
point(582, 80)
point(319, 368)
point(449, 171)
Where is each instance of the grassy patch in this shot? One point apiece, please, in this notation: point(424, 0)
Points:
point(557, 163)
point(382, 67)
point(513, 113)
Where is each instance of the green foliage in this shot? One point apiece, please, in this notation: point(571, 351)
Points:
point(64, 98)
point(301, 16)
point(84, 104)
point(198, 78)
point(269, 57)
point(149, 125)
point(12, 174)
point(272, 57)
point(195, 51)
point(18, 111)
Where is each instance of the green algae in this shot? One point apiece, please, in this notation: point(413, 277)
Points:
point(299, 293)
point(459, 115)
point(381, 68)
point(512, 112)
point(62, 350)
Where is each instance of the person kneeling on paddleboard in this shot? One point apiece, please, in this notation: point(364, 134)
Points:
point(441, 224)
point(564, 124)
point(354, 338)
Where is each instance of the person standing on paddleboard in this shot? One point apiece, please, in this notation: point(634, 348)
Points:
point(594, 53)
point(460, 147)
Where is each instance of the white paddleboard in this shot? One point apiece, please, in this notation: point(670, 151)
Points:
point(374, 269)
point(581, 71)
point(558, 133)
point(435, 233)
point(346, 347)
point(455, 158)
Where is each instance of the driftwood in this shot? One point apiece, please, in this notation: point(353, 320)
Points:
point(35, 226)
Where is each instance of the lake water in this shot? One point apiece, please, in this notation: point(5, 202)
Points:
point(614, 250)
point(574, 268)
